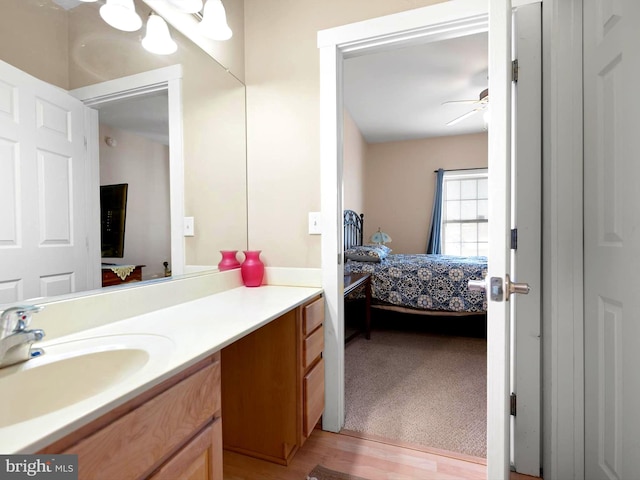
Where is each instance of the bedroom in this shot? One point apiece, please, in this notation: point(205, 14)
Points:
point(392, 148)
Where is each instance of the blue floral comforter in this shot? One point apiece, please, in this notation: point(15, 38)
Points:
point(426, 282)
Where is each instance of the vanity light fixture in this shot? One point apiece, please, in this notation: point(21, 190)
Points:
point(158, 39)
point(121, 14)
point(214, 21)
point(187, 6)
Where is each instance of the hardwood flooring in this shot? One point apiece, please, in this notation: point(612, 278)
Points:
point(371, 459)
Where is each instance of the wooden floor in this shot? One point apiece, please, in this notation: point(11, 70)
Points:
point(371, 459)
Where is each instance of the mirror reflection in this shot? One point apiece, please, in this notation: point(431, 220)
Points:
point(50, 183)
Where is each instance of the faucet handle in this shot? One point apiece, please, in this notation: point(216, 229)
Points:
point(17, 318)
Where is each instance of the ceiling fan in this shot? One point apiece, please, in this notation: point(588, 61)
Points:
point(482, 103)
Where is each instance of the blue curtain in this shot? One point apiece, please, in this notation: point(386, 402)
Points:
point(434, 245)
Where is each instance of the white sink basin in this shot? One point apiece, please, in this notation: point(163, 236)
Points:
point(71, 372)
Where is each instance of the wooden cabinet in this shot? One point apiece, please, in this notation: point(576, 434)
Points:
point(171, 431)
point(273, 385)
point(109, 277)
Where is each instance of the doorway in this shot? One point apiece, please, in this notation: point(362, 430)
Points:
point(409, 28)
point(163, 83)
point(411, 111)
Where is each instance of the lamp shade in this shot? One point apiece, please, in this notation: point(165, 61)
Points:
point(187, 6)
point(380, 237)
point(214, 21)
point(121, 14)
point(158, 39)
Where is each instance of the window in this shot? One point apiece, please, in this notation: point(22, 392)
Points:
point(465, 208)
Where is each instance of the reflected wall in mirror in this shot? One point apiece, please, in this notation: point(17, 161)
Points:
point(66, 44)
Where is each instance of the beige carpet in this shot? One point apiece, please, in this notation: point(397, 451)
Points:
point(418, 387)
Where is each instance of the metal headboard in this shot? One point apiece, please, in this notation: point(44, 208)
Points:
point(353, 228)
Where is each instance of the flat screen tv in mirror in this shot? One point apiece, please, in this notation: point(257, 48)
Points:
point(113, 216)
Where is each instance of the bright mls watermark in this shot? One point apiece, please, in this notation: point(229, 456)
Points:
point(39, 467)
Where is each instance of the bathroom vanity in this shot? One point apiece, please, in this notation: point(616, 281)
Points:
point(163, 417)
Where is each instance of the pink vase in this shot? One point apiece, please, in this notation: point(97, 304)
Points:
point(229, 260)
point(252, 268)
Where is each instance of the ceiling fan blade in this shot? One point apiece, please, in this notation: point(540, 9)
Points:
point(462, 117)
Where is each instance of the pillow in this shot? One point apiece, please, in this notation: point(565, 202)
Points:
point(367, 253)
point(380, 247)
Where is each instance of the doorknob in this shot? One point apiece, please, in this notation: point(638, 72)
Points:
point(513, 287)
point(495, 287)
point(496, 292)
point(477, 285)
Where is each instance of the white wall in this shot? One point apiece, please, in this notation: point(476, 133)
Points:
point(144, 165)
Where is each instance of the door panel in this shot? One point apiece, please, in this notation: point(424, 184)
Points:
point(526, 208)
point(611, 238)
point(498, 314)
point(43, 163)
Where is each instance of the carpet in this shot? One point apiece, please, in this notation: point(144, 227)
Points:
point(418, 387)
point(323, 473)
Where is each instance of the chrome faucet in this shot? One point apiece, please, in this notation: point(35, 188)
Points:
point(15, 340)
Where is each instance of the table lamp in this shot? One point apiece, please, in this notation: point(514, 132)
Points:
point(380, 237)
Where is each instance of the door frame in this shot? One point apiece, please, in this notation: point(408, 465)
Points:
point(433, 23)
point(562, 254)
point(166, 78)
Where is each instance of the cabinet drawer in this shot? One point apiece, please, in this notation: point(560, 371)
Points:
point(313, 346)
point(313, 316)
point(137, 442)
point(200, 459)
point(313, 389)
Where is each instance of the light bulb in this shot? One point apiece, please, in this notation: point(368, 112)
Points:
point(158, 39)
point(121, 14)
point(214, 21)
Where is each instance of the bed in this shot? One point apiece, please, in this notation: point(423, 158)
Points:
point(418, 283)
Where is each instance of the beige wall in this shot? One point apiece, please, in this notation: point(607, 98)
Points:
point(400, 182)
point(144, 166)
point(34, 39)
point(76, 48)
point(355, 149)
point(282, 75)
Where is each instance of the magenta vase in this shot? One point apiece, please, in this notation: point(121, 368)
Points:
point(229, 260)
point(252, 268)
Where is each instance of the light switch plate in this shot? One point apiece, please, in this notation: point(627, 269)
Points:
point(189, 227)
point(315, 223)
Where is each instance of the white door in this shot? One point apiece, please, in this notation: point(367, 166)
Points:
point(526, 241)
point(611, 238)
point(497, 285)
point(43, 231)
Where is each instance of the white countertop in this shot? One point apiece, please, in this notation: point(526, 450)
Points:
point(195, 329)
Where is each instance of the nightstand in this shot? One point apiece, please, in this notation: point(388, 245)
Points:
point(353, 281)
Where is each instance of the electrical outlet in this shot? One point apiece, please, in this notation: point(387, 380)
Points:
point(315, 223)
point(189, 227)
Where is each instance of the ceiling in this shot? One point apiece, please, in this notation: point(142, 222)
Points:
point(147, 116)
point(398, 94)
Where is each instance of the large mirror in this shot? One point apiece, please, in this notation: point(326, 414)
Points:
point(128, 139)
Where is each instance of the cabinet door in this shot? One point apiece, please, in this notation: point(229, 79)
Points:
point(200, 459)
point(313, 386)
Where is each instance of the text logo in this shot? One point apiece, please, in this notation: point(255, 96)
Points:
point(39, 467)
